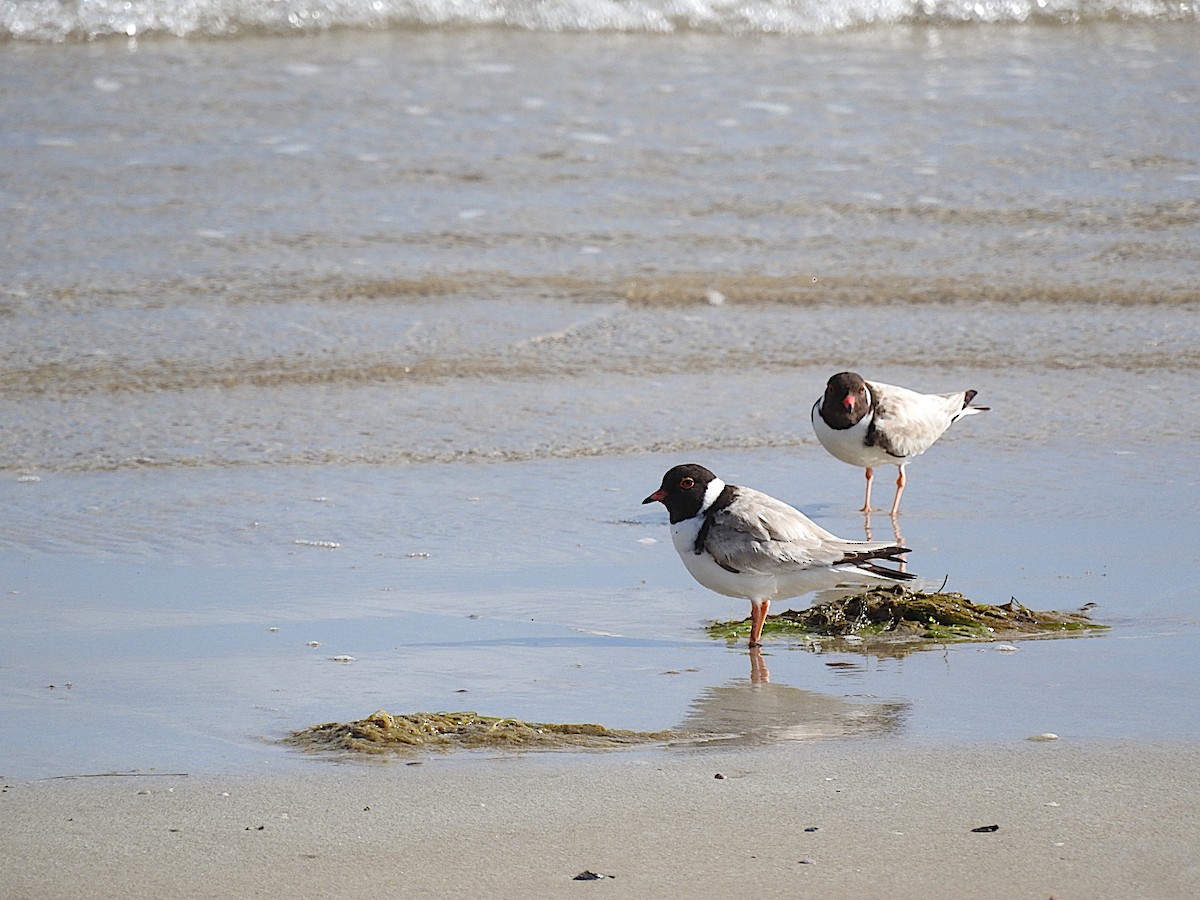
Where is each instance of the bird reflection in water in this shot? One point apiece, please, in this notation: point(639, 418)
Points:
point(759, 674)
point(756, 711)
point(901, 562)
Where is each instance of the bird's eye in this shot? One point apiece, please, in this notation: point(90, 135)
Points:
point(687, 484)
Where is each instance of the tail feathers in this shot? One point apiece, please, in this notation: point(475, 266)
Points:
point(864, 559)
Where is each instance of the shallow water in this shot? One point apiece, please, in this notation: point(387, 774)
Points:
point(545, 590)
point(380, 339)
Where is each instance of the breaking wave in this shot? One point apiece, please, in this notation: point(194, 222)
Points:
point(82, 20)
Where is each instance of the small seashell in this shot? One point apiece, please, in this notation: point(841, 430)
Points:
point(714, 297)
point(1005, 648)
point(1044, 736)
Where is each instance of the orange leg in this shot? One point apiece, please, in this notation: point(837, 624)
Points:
point(758, 615)
point(900, 481)
point(866, 507)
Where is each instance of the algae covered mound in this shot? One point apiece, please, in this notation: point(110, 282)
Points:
point(382, 732)
point(896, 613)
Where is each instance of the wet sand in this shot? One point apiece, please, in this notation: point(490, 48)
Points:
point(370, 345)
point(875, 819)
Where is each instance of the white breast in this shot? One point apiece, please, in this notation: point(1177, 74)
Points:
point(849, 444)
point(708, 573)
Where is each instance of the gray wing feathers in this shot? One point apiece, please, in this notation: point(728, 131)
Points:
point(912, 422)
point(757, 534)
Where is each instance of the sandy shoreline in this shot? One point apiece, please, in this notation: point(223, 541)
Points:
point(891, 820)
point(370, 345)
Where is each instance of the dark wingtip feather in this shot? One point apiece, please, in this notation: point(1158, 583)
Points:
point(968, 396)
point(885, 572)
point(892, 553)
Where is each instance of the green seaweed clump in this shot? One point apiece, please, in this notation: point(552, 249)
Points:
point(383, 732)
point(898, 614)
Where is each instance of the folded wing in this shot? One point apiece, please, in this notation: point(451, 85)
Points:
point(758, 534)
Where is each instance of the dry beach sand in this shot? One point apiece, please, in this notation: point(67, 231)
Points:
point(873, 819)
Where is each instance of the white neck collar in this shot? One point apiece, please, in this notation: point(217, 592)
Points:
point(711, 493)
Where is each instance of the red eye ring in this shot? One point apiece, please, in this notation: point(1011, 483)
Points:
point(687, 484)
